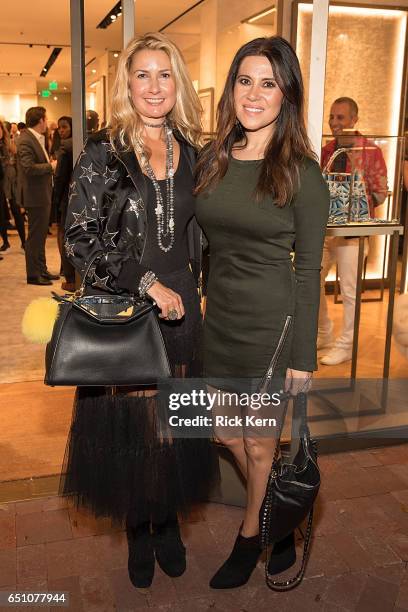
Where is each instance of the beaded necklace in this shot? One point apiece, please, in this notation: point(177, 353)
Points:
point(164, 210)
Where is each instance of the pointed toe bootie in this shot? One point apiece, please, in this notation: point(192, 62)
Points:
point(239, 566)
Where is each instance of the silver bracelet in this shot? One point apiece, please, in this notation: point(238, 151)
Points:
point(148, 279)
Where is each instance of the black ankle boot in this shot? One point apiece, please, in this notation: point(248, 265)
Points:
point(169, 548)
point(283, 555)
point(239, 566)
point(141, 555)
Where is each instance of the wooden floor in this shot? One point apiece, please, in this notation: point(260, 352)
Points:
point(371, 342)
point(34, 422)
point(34, 419)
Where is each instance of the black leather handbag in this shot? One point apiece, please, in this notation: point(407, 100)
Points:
point(290, 494)
point(105, 340)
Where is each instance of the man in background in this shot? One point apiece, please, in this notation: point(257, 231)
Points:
point(368, 159)
point(36, 170)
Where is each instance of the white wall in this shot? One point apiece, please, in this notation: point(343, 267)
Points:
point(13, 106)
point(222, 33)
point(228, 43)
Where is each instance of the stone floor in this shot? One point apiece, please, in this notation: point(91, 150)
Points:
point(358, 561)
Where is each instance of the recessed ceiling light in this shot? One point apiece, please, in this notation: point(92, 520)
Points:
point(260, 15)
point(93, 71)
point(55, 97)
point(51, 60)
point(111, 16)
point(116, 55)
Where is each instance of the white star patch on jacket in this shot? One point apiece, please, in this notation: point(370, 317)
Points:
point(109, 175)
point(82, 219)
point(88, 173)
point(135, 206)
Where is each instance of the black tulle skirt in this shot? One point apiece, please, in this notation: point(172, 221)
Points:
point(120, 457)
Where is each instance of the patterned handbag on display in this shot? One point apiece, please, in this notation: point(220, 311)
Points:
point(348, 193)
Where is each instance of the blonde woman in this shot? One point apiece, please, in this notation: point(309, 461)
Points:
point(131, 206)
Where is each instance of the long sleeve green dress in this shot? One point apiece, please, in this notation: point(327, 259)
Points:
point(261, 304)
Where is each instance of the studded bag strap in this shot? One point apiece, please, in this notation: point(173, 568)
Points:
point(299, 413)
point(291, 583)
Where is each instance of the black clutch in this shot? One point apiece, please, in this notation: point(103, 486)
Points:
point(106, 340)
point(290, 494)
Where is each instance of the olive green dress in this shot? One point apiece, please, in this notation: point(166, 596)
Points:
point(254, 288)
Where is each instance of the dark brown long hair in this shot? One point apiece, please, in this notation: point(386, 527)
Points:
point(6, 136)
point(289, 145)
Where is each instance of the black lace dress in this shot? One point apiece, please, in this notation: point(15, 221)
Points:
point(119, 458)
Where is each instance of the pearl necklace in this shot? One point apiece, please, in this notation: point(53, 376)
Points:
point(164, 212)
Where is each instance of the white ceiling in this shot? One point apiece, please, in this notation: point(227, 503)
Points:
point(47, 22)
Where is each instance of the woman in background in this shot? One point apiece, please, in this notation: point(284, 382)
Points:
point(62, 179)
point(9, 189)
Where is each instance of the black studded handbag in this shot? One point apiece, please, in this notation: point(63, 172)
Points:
point(105, 340)
point(290, 494)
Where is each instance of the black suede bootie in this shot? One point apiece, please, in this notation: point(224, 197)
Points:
point(239, 566)
point(283, 555)
point(141, 555)
point(169, 548)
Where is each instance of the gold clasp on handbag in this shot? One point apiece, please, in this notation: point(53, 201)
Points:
point(79, 292)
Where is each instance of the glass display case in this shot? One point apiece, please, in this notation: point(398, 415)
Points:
point(355, 69)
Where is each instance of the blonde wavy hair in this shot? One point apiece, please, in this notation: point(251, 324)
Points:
point(124, 123)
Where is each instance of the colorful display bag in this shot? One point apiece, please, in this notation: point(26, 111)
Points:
point(348, 193)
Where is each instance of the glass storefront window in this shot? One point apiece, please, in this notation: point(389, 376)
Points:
point(355, 68)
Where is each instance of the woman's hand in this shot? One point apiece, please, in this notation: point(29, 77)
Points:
point(167, 300)
point(297, 381)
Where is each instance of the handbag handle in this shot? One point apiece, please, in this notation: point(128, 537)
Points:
point(338, 152)
point(80, 291)
point(291, 583)
point(299, 412)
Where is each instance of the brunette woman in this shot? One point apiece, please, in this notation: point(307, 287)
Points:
point(8, 189)
point(130, 212)
point(62, 180)
point(262, 196)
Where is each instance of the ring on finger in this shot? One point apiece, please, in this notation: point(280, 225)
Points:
point(172, 315)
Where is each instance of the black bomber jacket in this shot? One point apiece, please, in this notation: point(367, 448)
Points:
point(106, 226)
